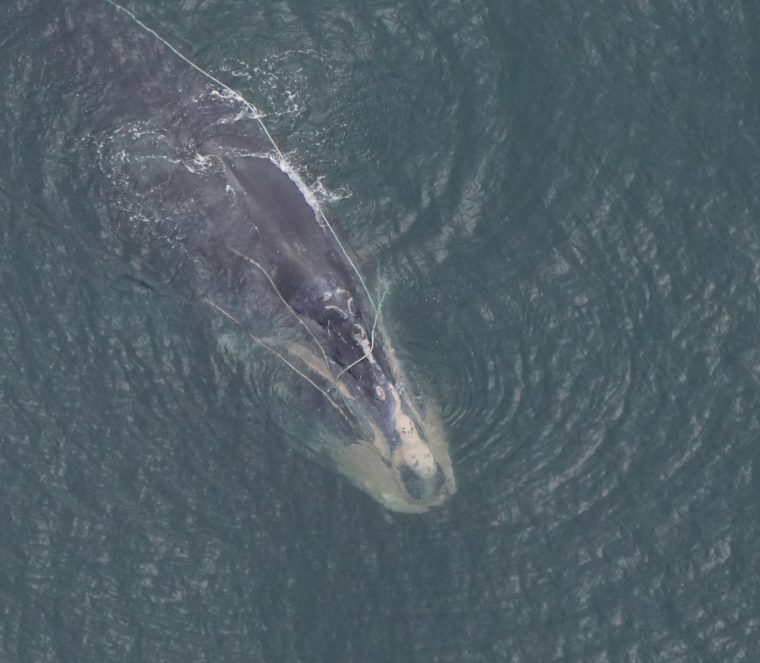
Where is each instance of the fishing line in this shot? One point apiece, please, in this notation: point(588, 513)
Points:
point(298, 372)
point(284, 301)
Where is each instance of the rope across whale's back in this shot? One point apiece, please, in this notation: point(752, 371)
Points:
point(282, 162)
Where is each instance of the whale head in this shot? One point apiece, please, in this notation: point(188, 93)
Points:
point(396, 454)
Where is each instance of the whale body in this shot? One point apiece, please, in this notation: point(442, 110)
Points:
point(193, 180)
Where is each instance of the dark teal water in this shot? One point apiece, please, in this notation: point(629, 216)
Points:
point(563, 198)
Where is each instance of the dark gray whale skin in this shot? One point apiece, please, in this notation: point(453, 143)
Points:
point(189, 176)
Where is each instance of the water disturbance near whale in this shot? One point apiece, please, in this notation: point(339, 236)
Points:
point(194, 181)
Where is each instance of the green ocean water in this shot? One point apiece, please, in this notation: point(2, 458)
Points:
point(562, 199)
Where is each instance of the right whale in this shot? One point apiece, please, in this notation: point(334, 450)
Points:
point(195, 183)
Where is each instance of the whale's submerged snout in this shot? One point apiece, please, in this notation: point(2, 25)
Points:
point(416, 467)
point(393, 451)
point(422, 482)
point(406, 464)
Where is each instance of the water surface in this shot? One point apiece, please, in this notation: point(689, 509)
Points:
point(564, 202)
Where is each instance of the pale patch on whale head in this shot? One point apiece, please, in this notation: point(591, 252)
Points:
point(413, 461)
point(417, 455)
point(410, 473)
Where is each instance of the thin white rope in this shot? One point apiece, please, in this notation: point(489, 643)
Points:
point(255, 113)
point(301, 374)
point(287, 305)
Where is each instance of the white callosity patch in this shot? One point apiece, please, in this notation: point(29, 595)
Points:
point(413, 450)
point(341, 312)
point(340, 301)
point(364, 343)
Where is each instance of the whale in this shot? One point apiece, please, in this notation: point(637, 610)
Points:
point(189, 177)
